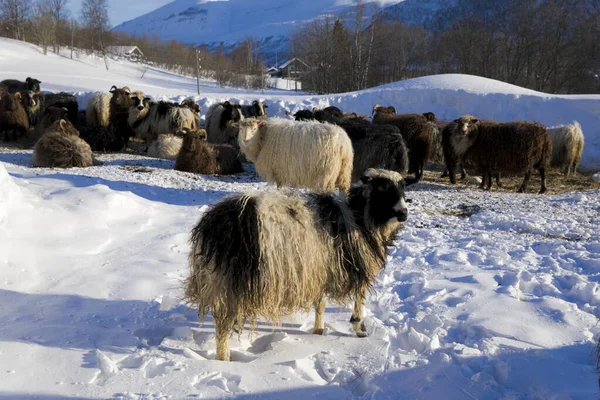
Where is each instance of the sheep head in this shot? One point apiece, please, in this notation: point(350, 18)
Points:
point(193, 139)
point(380, 199)
point(121, 98)
point(465, 125)
point(379, 109)
point(33, 84)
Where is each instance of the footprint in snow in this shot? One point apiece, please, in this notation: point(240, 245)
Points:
point(228, 383)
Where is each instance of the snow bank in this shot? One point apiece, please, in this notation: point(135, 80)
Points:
point(9, 192)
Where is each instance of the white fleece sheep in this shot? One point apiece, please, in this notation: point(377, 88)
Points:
point(567, 146)
point(97, 112)
point(306, 154)
point(166, 147)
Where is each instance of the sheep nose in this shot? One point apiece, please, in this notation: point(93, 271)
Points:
point(402, 215)
point(140, 108)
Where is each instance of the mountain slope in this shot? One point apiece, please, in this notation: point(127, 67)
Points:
point(228, 22)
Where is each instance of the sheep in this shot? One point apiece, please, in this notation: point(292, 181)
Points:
point(13, 117)
point(34, 105)
point(66, 100)
point(98, 107)
point(329, 114)
point(118, 121)
point(491, 147)
point(567, 146)
point(200, 157)
point(258, 109)
point(418, 132)
point(268, 254)
point(381, 149)
point(14, 86)
point(305, 115)
point(61, 147)
point(220, 120)
point(165, 146)
point(148, 120)
point(356, 128)
point(298, 154)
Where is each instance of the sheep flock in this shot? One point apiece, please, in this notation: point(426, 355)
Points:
point(266, 255)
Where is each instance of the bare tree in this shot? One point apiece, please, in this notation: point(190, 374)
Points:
point(94, 17)
point(15, 14)
point(44, 28)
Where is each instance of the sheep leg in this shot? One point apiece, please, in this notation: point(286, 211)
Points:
point(357, 319)
point(483, 181)
point(498, 183)
point(223, 326)
point(489, 182)
point(523, 187)
point(319, 316)
point(463, 173)
point(567, 170)
point(543, 179)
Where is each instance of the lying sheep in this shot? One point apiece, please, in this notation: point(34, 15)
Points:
point(66, 100)
point(148, 119)
point(61, 147)
point(220, 120)
point(418, 132)
point(383, 148)
point(493, 148)
point(14, 86)
point(51, 115)
point(258, 109)
point(200, 157)
point(298, 154)
point(98, 107)
point(165, 146)
point(266, 255)
point(13, 117)
point(567, 146)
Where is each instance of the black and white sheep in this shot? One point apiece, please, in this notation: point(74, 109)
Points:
point(567, 146)
point(514, 148)
point(200, 157)
point(305, 115)
point(298, 154)
point(220, 123)
point(14, 86)
point(257, 109)
point(268, 255)
point(149, 119)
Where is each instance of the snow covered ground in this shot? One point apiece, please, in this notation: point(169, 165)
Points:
point(484, 296)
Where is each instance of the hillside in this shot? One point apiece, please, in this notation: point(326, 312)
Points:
point(226, 23)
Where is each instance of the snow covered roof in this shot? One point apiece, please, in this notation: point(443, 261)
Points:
point(288, 62)
point(124, 50)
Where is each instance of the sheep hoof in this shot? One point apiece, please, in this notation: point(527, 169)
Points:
point(521, 190)
point(318, 331)
point(542, 190)
point(362, 334)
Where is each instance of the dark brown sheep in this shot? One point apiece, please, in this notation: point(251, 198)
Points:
point(418, 132)
point(200, 157)
point(513, 148)
point(61, 147)
point(117, 134)
point(13, 117)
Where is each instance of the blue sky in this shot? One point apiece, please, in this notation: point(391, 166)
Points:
point(122, 10)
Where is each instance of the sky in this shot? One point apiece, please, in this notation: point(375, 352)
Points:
point(122, 10)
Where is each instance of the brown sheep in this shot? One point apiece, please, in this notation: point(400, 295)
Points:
point(61, 147)
point(13, 117)
point(118, 124)
point(512, 148)
point(418, 132)
point(198, 156)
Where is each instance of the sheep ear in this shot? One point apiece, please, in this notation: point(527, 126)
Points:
point(392, 109)
point(18, 96)
point(315, 109)
point(261, 123)
point(474, 121)
point(457, 121)
point(112, 89)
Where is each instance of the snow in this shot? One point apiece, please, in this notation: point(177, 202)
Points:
point(484, 295)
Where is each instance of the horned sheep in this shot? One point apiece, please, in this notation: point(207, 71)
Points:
point(98, 107)
point(298, 154)
point(148, 119)
point(567, 147)
point(268, 255)
point(498, 148)
point(61, 147)
point(200, 157)
point(13, 116)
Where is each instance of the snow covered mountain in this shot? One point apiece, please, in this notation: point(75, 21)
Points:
point(228, 22)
